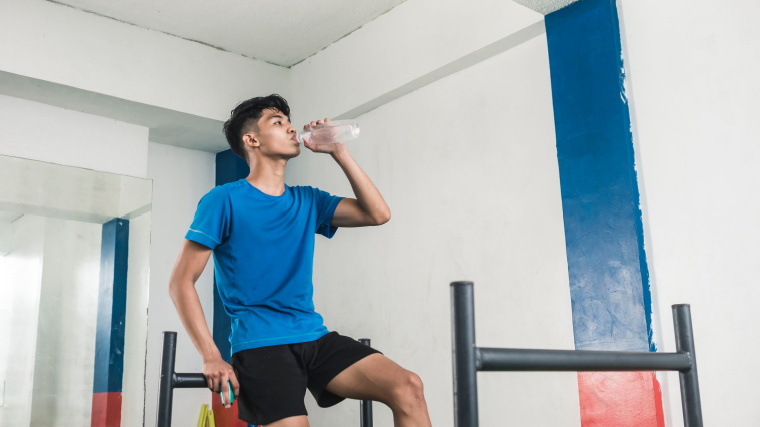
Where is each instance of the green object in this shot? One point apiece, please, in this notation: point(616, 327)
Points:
point(232, 394)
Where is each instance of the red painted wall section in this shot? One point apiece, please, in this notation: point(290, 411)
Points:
point(224, 417)
point(620, 399)
point(106, 409)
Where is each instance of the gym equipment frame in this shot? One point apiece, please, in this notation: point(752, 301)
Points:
point(468, 359)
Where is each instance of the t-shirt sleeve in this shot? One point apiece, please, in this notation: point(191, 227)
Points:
point(326, 204)
point(211, 224)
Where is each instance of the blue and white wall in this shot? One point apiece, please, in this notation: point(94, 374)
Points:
point(458, 132)
point(693, 108)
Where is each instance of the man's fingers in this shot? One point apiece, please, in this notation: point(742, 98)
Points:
point(224, 391)
point(219, 378)
point(235, 384)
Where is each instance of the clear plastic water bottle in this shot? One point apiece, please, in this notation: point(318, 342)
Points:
point(331, 132)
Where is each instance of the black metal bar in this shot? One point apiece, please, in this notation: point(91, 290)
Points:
point(165, 382)
point(464, 355)
point(690, 400)
point(508, 359)
point(189, 381)
point(365, 408)
point(169, 380)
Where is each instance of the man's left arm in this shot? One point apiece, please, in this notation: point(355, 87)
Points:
point(369, 207)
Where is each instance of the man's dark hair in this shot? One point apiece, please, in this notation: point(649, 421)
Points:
point(245, 117)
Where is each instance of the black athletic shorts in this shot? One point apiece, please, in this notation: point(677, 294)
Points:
point(273, 380)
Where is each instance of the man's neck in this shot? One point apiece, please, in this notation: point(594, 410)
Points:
point(268, 176)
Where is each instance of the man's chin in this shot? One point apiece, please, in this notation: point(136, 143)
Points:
point(296, 154)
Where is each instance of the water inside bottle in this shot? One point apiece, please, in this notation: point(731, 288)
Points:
point(333, 132)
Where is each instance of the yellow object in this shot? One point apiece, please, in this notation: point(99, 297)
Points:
point(211, 422)
point(202, 420)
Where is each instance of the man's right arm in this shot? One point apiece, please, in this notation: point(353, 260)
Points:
point(190, 264)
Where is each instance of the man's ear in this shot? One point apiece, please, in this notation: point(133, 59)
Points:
point(250, 140)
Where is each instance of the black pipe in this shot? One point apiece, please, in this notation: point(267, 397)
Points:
point(690, 400)
point(365, 408)
point(509, 359)
point(464, 355)
point(165, 381)
point(169, 380)
point(189, 381)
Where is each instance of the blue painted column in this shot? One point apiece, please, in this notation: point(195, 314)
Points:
point(609, 280)
point(109, 339)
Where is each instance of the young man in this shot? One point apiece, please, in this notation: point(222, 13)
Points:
point(261, 232)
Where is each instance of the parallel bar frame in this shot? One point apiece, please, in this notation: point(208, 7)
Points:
point(468, 359)
point(169, 380)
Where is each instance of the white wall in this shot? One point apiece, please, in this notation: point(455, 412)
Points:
point(468, 166)
point(37, 131)
point(20, 283)
point(692, 81)
point(415, 38)
point(64, 360)
point(180, 178)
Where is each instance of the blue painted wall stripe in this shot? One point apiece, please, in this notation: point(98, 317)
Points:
point(229, 168)
point(112, 304)
point(609, 286)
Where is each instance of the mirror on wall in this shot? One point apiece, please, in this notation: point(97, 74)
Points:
point(74, 252)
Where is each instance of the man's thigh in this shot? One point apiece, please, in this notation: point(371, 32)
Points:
point(327, 358)
point(372, 378)
point(272, 385)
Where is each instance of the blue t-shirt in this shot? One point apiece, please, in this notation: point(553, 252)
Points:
point(263, 259)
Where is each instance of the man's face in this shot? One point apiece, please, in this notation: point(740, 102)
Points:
point(276, 136)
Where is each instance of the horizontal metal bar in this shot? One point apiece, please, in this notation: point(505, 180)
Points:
point(189, 381)
point(508, 359)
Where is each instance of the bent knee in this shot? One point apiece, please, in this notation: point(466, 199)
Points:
point(409, 392)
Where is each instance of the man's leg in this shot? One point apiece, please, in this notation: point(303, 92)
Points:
point(377, 377)
point(272, 386)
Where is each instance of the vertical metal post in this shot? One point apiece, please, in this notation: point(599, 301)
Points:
point(463, 341)
point(365, 410)
point(690, 400)
point(165, 386)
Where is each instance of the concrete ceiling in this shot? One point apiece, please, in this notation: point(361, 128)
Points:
point(545, 7)
point(279, 32)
